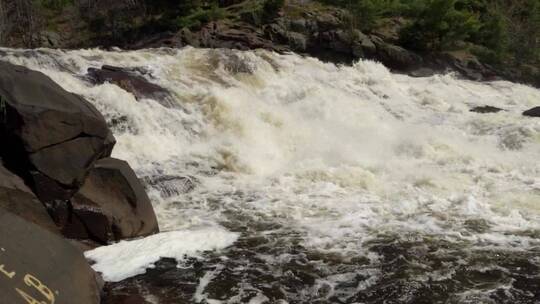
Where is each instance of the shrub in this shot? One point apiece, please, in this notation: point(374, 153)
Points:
point(271, 9)
point(201, 16)
point(438, 26)
point(55, 4)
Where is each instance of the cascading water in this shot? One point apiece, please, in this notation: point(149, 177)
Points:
point(315, 183)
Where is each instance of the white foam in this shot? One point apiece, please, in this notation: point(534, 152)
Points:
point(338, 153)
point(129, 258)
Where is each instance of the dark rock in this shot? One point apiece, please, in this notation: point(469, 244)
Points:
point(124, 299)
point(362, 46)
point(129, 80)
point(333, 46)
point(395, 57)
point(166, 282)
point(300, 25)
point(50, 39)
point(111, 205)
point(297, 41)
point(422, 72)
point(534, 112)
point(40, 267)
point(486, 109)
point(50, 137)
point(327, 22)
point(18, 199)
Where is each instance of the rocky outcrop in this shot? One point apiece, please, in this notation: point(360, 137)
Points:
point(58, 144)
point(534, 112)
point(111, 205)
point(37, 266)
point(56, 179)
point(50, 137)
point(217, 34)
point(130, 80)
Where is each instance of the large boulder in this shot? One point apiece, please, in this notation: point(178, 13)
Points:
point(395, 57)
point(49, 137)
point(130, 80)
point(534, 112)
point(17, 198)
point(37, 266)
point(111, 205)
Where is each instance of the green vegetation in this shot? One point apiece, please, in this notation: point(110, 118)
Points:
point(439, 25)
point(497, 31)
point(54, 4)
point(271, 8)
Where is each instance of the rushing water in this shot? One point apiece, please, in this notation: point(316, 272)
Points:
point(331, 184)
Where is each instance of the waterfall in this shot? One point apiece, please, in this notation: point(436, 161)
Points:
point(337, 162)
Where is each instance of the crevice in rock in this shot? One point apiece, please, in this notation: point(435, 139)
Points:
point(80, 135)
point(13, 153)
point(88, 231)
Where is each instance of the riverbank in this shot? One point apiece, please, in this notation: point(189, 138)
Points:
point(303, 27)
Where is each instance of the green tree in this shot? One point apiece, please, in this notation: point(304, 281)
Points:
point(271, 9)
point(439, 25)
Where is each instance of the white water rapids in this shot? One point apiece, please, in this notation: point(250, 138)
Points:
point(332, 164)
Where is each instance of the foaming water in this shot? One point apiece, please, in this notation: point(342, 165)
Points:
point(346, 184)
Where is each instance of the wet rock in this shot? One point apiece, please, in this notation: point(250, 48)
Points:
point(395, 57)
point(422, 72)
point(171, 185)
point(486, 109)
point(166, 282)
point(125, 299)
point(129, 80)
point(50, 137)
point(40, 267)
point(18, 199)
point(111, 205)
point(534, 112)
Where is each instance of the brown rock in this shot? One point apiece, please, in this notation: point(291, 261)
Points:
point(18, 199)
point(50, 137)
point(111, 205)
point(129, 80)
point(40, 267)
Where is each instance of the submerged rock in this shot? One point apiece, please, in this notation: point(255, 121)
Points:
point(50, 137)
point(486, 109)
point(534, 112)
point(111, 205)
point(37, 266)
point(129, 80)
